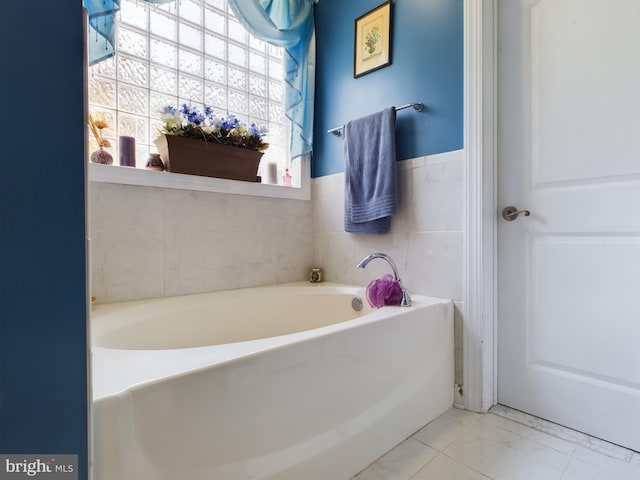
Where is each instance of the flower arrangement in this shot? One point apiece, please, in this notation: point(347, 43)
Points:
point(189, 122)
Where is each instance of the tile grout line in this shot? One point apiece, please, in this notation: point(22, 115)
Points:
point(425, 465)
point(455, 460)
point(462, 432)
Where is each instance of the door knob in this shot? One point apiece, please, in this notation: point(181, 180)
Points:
point(511, 213)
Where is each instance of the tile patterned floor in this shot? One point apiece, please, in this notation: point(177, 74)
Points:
point(502, 445)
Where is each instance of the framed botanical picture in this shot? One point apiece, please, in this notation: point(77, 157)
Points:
point(372, 46)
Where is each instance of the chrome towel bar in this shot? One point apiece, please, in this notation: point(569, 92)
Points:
point(416, 106)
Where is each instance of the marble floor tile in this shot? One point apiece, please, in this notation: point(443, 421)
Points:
point(546, 439)
point(608, 466)
point(503, 455)
point(440, 433)
point(401, 463)
point(572, 436)
point(445, 468)
point(582, 470)
point(502, 445)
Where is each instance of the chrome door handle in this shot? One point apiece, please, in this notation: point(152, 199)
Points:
point(511, 213)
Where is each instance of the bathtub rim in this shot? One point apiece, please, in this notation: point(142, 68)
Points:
point(108, 364)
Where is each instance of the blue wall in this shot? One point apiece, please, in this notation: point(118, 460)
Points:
point(43, 359)
point(427, 67)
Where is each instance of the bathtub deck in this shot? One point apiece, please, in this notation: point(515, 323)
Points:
point(502, 444)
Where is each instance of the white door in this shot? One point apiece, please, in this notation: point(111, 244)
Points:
point(569, 274)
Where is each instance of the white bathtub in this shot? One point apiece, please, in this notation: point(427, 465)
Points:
point(282, 383)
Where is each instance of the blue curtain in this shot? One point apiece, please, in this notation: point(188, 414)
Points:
point(101, 28)
point(289, 24)
point(102, 15)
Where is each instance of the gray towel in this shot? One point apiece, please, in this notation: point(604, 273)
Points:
point(370, 173)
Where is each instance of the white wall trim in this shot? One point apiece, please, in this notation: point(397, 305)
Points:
point(479, 276)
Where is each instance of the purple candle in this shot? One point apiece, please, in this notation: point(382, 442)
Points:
point(127, 149)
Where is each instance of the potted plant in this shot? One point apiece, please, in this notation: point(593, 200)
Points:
point(201, 143)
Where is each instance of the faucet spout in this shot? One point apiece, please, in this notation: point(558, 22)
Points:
point(365, 261)
point(406, 299)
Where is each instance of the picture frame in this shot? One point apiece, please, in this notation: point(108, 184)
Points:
point(372, 40)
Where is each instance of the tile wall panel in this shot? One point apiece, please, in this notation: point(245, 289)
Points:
point(153, 242)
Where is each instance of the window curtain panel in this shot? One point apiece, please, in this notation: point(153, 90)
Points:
point(288, 24)
point(102, 15)
point(102, 30)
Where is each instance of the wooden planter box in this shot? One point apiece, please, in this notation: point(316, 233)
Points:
point(197, 157)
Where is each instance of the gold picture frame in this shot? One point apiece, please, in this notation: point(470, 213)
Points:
point(372, 44)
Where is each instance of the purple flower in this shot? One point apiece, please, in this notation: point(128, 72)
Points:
point(170, 110)
point(384, 291)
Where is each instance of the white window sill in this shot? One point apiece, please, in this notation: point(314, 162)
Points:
point(149, 178)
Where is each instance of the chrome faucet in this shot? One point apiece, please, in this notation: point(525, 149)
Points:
point(406, 299)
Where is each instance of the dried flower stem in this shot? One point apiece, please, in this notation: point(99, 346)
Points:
point(97, 131)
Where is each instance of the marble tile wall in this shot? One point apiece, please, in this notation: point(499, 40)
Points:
point(426, 238)
point(151, 242)
point(426, 235)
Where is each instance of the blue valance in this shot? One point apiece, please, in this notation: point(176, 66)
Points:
point(289, 24)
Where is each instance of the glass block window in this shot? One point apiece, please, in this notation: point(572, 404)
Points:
point(193, 52)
